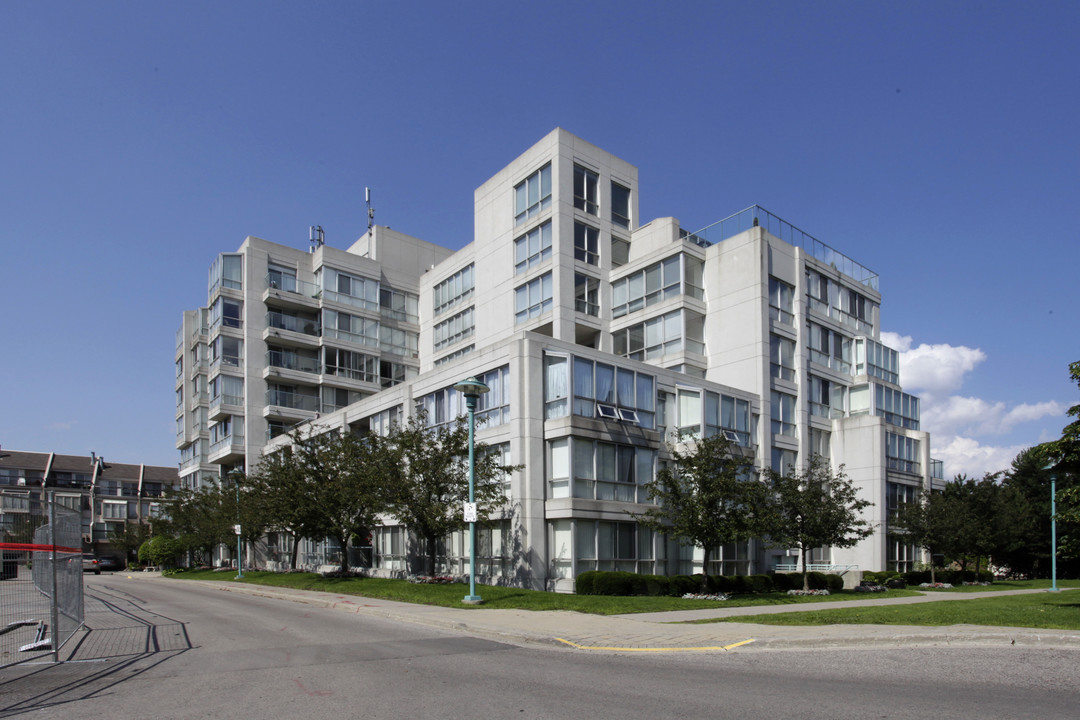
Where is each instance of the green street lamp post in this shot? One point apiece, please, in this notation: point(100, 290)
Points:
point(239, 539)
point(472, 389)
point(1053, 528)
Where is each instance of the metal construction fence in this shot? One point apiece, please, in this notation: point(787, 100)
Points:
point(41, 583)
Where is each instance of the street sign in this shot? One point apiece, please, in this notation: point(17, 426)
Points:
point(236, 529)
point(470, 512)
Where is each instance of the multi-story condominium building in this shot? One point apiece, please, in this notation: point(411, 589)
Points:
point(599, 336)
point(107, 494)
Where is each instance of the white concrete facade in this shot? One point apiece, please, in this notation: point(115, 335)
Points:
point(601, 336)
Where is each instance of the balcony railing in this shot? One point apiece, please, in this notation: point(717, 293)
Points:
point(289, 284)
point(756, 215)
point(280, 321)
point(292, 361)
point(296, 401)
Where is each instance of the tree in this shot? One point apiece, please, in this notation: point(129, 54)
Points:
point(706, 498)
point(1064, 454)
point(931, 523)
point(200, 519)
point(337, 483)
point(128, 537)
point(430, 479)
point(815, 508)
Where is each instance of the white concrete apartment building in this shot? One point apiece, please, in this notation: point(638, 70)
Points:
point(599, 336)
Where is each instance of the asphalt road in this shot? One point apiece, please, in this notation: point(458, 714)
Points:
point(179, 650)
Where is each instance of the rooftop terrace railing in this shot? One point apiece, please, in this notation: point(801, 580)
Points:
point(755, 215)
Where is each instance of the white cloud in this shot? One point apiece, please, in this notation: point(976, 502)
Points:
point(61, 426)
point(935, 369)
point(958, 425)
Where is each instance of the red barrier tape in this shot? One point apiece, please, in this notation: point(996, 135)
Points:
point(32, 547)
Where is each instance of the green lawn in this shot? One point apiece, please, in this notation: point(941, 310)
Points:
point(512, 598)
point(1005, 585)
point(1060, 611)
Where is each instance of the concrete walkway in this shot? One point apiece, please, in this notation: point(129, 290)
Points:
point(666, 631)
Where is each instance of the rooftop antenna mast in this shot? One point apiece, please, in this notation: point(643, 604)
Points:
point(316, 237)
point(370, 210)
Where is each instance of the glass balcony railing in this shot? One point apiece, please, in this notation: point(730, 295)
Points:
point(289, 284)
point(292, 361)
point(756, 215)
point(292, 323)
point(294, 400)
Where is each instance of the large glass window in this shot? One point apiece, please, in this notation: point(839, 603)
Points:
point(877, 360)
point(532, 299)
point(594, 470)
point(902, 454)
point(826, 398)
point(586, 190)
point(353, 365)
point(781, 308)
point(454, 290)
point(782, 358)
point(613, 393)
point(532, 195)
point(586, 294)
point(227, 271)
point(898, 408)
point(353, 290)
point(399, 341)
point(670, 333)
point(532, 248)
point(655, 283)
point(586, 244)
point(492, 408)
point(455, 328)
point(556, 386)
point(620, 205)
point(829, 348)
point(783, 414)
point(352, 328)
point(399, 305)
point(606, 545)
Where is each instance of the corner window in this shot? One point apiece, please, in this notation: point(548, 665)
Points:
point(532, 195)
point(532, 248)
point(586, 190)
point(586, 244)
point(620, 205)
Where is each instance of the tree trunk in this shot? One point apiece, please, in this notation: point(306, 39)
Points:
point(933, 576)
point(295, 549)
point(431, 556)
point(344, 542)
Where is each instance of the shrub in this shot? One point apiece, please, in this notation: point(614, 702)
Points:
point(160, 550)
point(679, 585)
point(817, 581)
point(896, 583)
point(657, 585)
point(917, 577)
point(760, 583)
point(721, 584)
point(782, 582)
point(584, 583)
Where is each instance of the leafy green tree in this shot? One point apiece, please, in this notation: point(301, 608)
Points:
point(430, 479)
point(327, 484)
point(815, 508)
point(201, 519)
point(1064, 454)
point(705, 497)
point(128, 537)
point(161, 550)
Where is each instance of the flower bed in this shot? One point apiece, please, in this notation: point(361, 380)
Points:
point(804, 593)
point(699, 596)
point(432, 579)
point(936, 586)
point(871, 588)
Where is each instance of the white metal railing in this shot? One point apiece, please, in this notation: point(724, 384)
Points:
point(815, 567)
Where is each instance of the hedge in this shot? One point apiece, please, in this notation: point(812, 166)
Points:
point(604, 582)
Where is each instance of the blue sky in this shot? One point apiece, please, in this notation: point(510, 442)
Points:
point(935, 143)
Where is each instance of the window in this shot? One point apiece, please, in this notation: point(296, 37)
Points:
point(281, 278)
point(532, 248)
point(898, 408)
point(447, 404)
point(227, 271)
point(897, 496)
point(616, 390)
point(620, 251)
point(399, 305)
point(226, 351)
point(337, 398)
point(532, 195)
point(606, 545)
point(781, 295)
point(820, 442)
point(394, 373)
point(586, 242)
point(729, 416)
point(784, 461)
point(680, 330)
point(226, 390)
point(532, 299)
point(902, 454)
point(455, 355)
point(455, 328)
point(586, 294)
point(877, 360)
point(586, 189)
point(399, 342)
point(654, 284)
point(829, 348)
point(291, 359)
point(782, 358)
point(783, 414)
point(901, 554)
point(556, 386)
point(826, 398)
point(226, 313)
point(113, 510)
point(595, 470)
point(454, 290)
point(352, 328)
point(352, 365)
point(353, 290)
point(620, 205)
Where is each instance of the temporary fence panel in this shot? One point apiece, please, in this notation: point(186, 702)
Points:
point(41, 591)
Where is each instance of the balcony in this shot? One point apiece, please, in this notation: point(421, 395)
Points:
point(300, 330)
point(290, 405)
point(281, 360)
point(287, 291)
point(223, 405)
point(227, 449)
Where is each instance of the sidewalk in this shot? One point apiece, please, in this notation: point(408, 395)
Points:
point(664, 632)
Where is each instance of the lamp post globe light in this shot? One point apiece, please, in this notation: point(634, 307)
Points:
point(1053, 527)
point(472, 388)
point(236, 475)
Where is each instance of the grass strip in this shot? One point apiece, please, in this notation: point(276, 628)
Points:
point(508, 598)
point(1057, 611)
